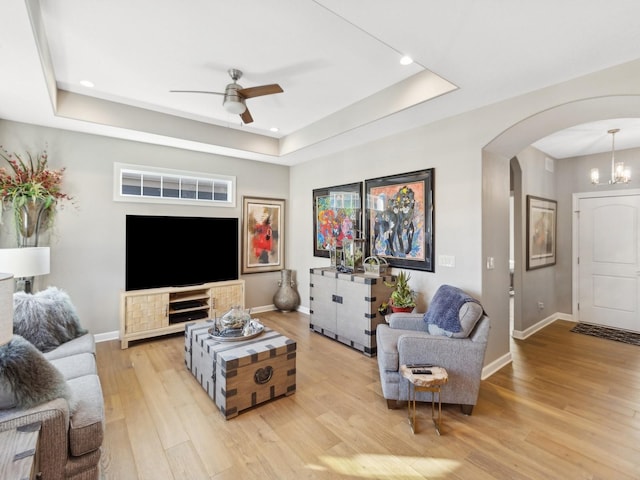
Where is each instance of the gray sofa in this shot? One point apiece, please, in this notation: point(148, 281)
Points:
point(70, 442)
point(406, 340)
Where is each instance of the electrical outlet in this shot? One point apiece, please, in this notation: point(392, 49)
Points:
point(540, 305)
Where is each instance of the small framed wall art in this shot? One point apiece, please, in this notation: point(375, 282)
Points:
point(337, 215)
point(262, 234)
point(541, 232)
point(400, 219)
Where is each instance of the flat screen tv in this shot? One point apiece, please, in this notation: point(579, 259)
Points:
point(163, 251)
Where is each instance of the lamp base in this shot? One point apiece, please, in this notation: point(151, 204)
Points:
point(24, 284)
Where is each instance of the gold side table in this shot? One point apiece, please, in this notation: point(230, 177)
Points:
point(424, 383)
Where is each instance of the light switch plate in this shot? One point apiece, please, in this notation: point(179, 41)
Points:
point(447, 261)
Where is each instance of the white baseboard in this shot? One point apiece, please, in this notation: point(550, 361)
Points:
point(524, 334)
point(270, 308)
point(264, 308)
point(107, 336)
point(115, 335)
point(496, 365)
point(506, 359)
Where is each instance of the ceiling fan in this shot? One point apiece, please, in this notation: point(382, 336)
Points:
point(235, 95)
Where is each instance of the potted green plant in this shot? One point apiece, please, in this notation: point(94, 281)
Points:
point(31, 189)
point(403, 298)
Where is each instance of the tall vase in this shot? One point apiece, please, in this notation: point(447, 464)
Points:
point(286, 298)
point(32, 218)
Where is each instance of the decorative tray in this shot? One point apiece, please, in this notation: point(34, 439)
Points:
point(253, 329)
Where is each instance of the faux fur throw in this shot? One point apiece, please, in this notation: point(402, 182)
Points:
point(27, 378)
point(47, 319)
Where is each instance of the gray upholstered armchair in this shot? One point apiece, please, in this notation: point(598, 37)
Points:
point(414, 338)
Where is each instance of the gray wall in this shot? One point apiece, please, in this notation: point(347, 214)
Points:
point(470, 210)
point(495, 241)
point(457, 200)
point(539, 285)
point(87, 241)
point(553, 285)
point(470, 153)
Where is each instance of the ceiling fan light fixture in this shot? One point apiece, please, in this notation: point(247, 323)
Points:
point(233, 101)
point(234, 106)
point(235, 96)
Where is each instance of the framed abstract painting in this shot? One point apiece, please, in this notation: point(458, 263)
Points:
point(262, 235)
point(337, 215)
point(400, 219)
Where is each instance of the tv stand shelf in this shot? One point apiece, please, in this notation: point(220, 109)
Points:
point(189, 305)
point(159, 311)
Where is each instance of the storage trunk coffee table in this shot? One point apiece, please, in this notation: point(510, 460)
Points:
point(241, 374)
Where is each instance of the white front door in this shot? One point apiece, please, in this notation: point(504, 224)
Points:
point(609, 261)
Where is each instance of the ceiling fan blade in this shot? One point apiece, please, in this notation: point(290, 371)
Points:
point(246, 117)
point(260, 90)
point(195, 91)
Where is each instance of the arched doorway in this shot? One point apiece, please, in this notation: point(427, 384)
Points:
point(501, 150)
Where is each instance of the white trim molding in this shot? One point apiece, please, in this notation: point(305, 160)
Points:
point(524, 334)
point(496, 365)
point(146, 184)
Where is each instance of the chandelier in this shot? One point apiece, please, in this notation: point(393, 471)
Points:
point(619, 174)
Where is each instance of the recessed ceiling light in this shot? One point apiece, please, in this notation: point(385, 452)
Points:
point(87, 83)
point(274, 129)
point(406, 60)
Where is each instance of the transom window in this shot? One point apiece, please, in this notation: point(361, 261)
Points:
point(134, 183)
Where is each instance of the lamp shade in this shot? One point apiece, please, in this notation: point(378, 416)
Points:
point(6, 308)
point(25, 261)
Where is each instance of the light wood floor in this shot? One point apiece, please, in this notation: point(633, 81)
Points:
point(567, 408)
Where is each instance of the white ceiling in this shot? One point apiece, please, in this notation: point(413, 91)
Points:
point(337, 61)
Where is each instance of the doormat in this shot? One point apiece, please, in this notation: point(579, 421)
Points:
point(623, 336)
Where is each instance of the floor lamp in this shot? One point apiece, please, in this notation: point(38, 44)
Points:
point(24, 263)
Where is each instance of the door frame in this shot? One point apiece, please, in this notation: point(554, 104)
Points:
point(575, 242)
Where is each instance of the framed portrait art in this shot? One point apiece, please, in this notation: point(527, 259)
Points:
point(262, 235)
point(541, 232)
point(400, 219)
point(337, 215)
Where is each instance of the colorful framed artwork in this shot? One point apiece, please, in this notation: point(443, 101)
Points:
point(337, 215)
point(400, 219)
point(541, 232)
point(262, 235)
